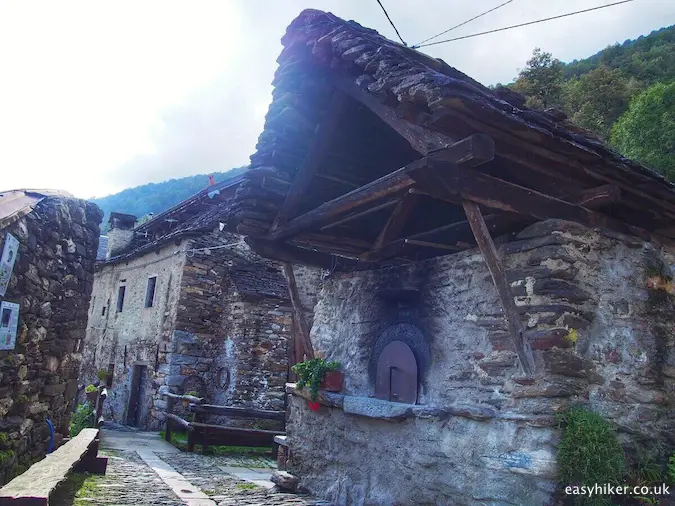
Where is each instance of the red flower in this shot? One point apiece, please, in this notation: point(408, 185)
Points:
point(314, 406)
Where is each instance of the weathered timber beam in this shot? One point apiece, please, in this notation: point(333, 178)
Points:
point(334, 179)
point(428, 244)
point(332, 244)
point(499, 194)
point(595, 198)
point(298, 311)
point(390, 184)
point(360, 214)
point(178, 420)
point(421, 139)
point(213, 409)
point(494, 264)
point(288, 253)
point(397, 219)
point(309, 167)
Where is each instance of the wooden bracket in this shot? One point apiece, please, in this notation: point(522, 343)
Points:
point(298, 311)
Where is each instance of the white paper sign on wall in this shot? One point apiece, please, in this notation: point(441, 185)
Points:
point(9, 321)
point(9, 253)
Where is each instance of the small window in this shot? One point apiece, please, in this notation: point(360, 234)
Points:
point(103, 311)
point(93, 304)
point(120, 298)
point(150, 291)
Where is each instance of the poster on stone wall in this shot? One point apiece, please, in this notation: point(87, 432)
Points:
point(9, 321)
point(9, 253)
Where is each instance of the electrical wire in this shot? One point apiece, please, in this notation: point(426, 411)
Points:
point(392, 23)
point(524, 24)
point(461, 24)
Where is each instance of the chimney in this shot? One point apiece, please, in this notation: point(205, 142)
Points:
point(121, 233)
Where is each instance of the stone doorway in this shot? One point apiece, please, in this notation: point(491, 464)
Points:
point(139, 376)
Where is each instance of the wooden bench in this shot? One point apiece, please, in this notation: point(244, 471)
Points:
point(34, 487)
point(207, 434)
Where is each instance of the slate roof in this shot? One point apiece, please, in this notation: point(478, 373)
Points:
point(102, 247)
point(15, 204)
point(255, 280)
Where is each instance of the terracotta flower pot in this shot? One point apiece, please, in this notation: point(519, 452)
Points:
point(332, 381)
point(92, 396)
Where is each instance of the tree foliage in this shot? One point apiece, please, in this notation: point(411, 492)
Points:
point(541, 80)
point(646, 132)
point(597, 91)
point(158, 197)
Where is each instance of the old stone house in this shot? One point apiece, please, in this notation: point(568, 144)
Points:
point(491, 265)
point(48, 244)
point(181, 305)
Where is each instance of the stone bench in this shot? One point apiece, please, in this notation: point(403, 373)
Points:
point(34, 487)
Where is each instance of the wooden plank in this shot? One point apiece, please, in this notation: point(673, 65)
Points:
point(398, 219)
point(189, 398)
point(235, 412)
point(178, 421)
point(34, 486)
point(310, 165)
point(498, 274)
point(470, 151)
point(298, 311)
point(234, 436)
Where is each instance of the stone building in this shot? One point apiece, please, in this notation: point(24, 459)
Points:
point(179, 304)
point(49, 243)
point(490, 266)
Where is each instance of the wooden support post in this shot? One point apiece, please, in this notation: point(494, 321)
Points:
point(496, 268)
point(169, 409)
point(298, 312)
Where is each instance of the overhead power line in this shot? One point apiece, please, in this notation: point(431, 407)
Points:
point(391, 23)
point(523, 24)
point(461, 24)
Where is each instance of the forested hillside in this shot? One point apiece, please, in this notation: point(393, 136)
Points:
point(624, 94)
point(158, 197)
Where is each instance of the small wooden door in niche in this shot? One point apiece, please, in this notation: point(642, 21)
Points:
point(396, 378)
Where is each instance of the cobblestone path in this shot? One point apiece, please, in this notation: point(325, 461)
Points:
point(143, 470)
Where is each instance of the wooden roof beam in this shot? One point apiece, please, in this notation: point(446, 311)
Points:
point(471, 151)
point(397, 219)
point(310, 166)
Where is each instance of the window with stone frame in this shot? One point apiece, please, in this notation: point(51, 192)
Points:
point(120, 298)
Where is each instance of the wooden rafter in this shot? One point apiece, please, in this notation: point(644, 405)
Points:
point(360, 214)
point(598, 197)
point(469, 151)
point(310, 166)
point(499, 194)
point(421, 139)
point(397, 219)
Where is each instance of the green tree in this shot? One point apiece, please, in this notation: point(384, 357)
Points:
point(596, 99)
point(646, 132)
point(540, 81)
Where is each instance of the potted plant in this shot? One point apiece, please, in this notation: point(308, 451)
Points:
point(318, 373)
point(102, 375)
point(91, 392)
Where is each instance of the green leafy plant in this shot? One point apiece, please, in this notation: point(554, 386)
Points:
point(589, 452)
point(82, 418)
point(670, 470)
point(311, 373)
point(102, 374)
point(90, 388)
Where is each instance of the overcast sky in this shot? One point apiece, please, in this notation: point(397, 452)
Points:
point(100, 96)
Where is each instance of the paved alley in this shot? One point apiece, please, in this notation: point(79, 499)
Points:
point(143, 469)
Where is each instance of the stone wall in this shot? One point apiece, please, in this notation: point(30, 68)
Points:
point(228, 346)
point(137, 336)
point(52, 282)
point(483, 433)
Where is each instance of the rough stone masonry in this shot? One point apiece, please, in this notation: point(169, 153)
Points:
point(481, 432)
point(52, 281)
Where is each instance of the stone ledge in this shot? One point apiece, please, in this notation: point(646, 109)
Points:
point(378, 409)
